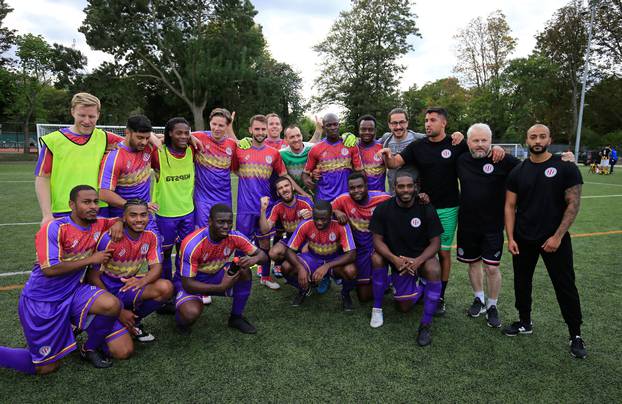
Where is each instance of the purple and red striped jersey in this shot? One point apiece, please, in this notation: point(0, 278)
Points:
point(359, 215)
point(289, 216)
point(325, 244)
point(373, 165)
point(129, 254)
point(212, 182)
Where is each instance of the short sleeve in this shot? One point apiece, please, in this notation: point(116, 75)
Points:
point(299, 236)
point(346, 240)
point(44, 162)
point(357, 163)
point(377, 223)
point(112, 140)
point(311, 160)
point(408, 154)
point(110, 170)
point(103, 244)
point(277, 165)
point(572, 175)
point(512, 181)
point(154, 254)
point(243, 244)
point(47, 243)
point(190, 252)
point(273, 216)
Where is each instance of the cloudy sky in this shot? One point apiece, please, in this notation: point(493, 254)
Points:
point(292, 27)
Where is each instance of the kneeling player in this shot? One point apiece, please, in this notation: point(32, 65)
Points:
point(205, 270)
point(140, 295)
point(406, 234)
point(331, 251)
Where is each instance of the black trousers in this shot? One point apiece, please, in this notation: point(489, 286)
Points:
point(559, 265)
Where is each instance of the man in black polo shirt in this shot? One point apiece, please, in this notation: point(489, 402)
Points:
point(406, 235)
point(542, 201)
point(480, 218)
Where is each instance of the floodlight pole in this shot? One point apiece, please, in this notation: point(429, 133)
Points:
point(586, 67)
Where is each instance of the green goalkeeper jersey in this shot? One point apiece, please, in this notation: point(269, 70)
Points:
point(295, 163)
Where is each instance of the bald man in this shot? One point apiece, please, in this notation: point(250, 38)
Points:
point(542, 201)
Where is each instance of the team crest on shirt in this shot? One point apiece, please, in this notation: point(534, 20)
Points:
point(324, 154)
point(332, 236)
point(497, 254)
point(122, 252)
point(96, 235)
point(344, 151)
point(269, 159)
point(415, 222)
point(128, 165)
point(550, 172)
point(229, 151)
point(446, 153)
point(74, 243)
point(247, 157)
point(353, 210)
point(377, 157)
point(146, 156)
point(312, 236)
point(45, 350)
point(204, 257)
point(488, 168)
point(144, 248)
point(460, 251)
point(226, 251)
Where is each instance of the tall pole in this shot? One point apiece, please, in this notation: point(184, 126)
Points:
point(586, 67)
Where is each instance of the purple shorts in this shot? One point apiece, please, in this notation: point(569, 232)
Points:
point(173, 230)
point(406, 287)
point(130, 298)
point(202, 209)
point(312, 262)
point(48, 325)
point(212, 279)
point(363, 265)
point(248, 224)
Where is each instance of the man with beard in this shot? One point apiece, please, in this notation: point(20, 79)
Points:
point(542, 201)
point(289, 211)
point(368, 148)
point(480, 218)
point(406, 235)
point(356, 208)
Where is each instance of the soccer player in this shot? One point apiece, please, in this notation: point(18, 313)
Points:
point(542, 201)
point(205, 263)
point(296, 153)
point(331, 251)
point(373, 165)
point(334, 162)
point(255, 167)
point(275, 127)
point(139, 295)
point(289, 211)
point(356, 208)
point(435, 157)
point(406, 235)
point(480, 218)
point(54, 300)
point(213, 166)
point(71, 156)
point(125, 172)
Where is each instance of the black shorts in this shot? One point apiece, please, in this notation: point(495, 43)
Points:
point(476, 245)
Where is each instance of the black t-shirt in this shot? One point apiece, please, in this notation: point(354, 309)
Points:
point(540, 190)
point(407, 231)
point(436, 162)
point(482, 191)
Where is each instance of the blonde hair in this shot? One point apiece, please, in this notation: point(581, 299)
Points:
point(86, 99)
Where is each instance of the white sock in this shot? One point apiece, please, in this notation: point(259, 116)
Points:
point(491, 302)
point(480, 295)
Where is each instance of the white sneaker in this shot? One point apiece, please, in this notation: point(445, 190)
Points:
point(267, 281)
point(377, 318)
point(206, 299)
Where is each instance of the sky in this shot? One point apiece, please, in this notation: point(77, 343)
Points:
point(292, 27)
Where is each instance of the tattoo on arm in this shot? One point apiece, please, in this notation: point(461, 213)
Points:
point(573, 202)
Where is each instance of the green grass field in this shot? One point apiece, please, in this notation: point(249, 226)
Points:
point(316, 353)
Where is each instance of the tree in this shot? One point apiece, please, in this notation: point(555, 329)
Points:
point(483, 48)
point(7, 36)
point(68, 65)
point(360, 69)
point(195, 48)
point(608, 31)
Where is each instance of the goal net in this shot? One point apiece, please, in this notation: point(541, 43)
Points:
point(515, 149)
point(45, 128)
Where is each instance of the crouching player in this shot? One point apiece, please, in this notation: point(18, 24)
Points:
point(140, 295)
point(331, 251)
point(54, 301)
point(205, 263)
point(356, 208)
point(406, 234)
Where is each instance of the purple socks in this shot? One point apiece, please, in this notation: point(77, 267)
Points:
point(147, 307)
point(18, 359)
point(97, 331)
point(431, 296)
point(380, 282)
point(241, 292)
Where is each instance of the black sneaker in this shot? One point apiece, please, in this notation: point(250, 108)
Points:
point(242, 324)
point(577, 347)
point(183, 329)
point(141, 335)
point(440, 309)
point(167, 308)
point(300, 297)
point(97, 359)
point(492, 317)
point(424, 337)
point(346, 303)
point(476, 308)
point(518, 327)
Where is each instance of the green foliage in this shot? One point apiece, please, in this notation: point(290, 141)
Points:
point(307, 127)
point(360, 69)
point(7, 36)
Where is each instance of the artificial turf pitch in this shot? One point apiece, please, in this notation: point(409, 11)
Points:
point(317, 353)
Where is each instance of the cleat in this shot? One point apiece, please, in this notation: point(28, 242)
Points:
point(300, 297)
point(277, 271)
point(141, 335)
point(240, 323)
point(183, 329)
point(440, 309)
point(377, 318)
point(424, 337)
point(323, 286)
point(97, 359)
point(492, 317)
point(346, 303)
point(476, 308)
point(577, 347)
point(269, 283)
point(206, 299)
point(167, 308)
point(518, 327)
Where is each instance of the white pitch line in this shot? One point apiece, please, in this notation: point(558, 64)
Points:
point(19, 224)
point(600, 196)
point(4, 182)
point(14, 273)
point(603, 183)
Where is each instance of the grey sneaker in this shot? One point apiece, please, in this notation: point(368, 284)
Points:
point(492, 317)
point(424, 337)
point(518, 327)
point(577, 347)
point(476, 308)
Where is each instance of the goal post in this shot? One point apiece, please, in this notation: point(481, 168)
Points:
point(45, 128)
point(515, 149)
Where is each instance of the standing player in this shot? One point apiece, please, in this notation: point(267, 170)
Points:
point(213, 166)
point(373, 165)
point(435, 157)
point(406, 235)
point(480, 219)
point(331, 252)
point(356, 208)
point(139, 295)
point(542, 202)
point(334, 162)
point(206, 270)
point(296, 153)
point(275, 126)
point(70, 157)
point(54, 300)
